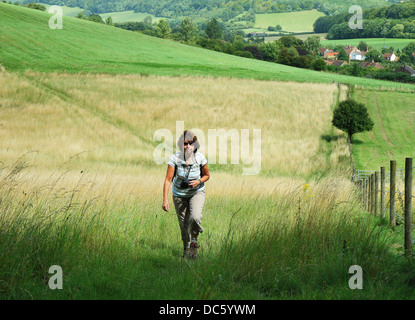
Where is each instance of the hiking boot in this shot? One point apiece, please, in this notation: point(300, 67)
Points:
point(193, 250)
point(186, 253)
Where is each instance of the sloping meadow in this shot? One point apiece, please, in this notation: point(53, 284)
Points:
point(79, 188)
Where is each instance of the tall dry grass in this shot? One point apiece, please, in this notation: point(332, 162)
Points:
point(108, 121)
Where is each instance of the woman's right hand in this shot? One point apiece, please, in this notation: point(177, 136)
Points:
point(166, 206)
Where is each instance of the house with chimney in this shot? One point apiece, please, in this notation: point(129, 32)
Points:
point(390, 57)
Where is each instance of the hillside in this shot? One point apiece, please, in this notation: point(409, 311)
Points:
point(84, 46)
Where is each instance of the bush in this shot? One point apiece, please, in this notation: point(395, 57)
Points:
point(36, 6)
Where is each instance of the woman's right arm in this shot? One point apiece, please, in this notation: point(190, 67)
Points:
point(166, 187)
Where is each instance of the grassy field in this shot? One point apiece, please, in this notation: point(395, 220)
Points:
point(125, 16)
point(80, 189)
point(301, 21)
point(67, 11)
point(377, 43)
point(391, 138)
point(84, 46)
point(299, 36)
point(122, 16)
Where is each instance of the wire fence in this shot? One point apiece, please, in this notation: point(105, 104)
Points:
point(368, 182)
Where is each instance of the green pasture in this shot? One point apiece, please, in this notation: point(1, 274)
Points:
point(392, 135)
point(377, 43)
point(85, 46)
point(300, 21)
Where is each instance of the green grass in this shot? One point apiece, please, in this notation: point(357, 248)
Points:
point(84, 46)
point(301, 21)
point(122, 16)
point(377, 43)
point(250, 250)
point(125, 16)
point(392, 135)
point(67, 11)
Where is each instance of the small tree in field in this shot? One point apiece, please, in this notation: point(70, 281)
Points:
point(352, 117)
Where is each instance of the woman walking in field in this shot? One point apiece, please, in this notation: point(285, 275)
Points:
point(190, 171)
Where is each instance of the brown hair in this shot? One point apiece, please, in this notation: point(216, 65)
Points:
point(188, 136)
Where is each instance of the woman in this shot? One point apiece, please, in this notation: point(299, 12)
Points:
point(190, 172)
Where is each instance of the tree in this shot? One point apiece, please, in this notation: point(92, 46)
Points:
point(81, 15)
point(148, 21)
point(342, 55)
point(96, 18)
point(213, 30)
point(109, 22)
point(374, 55)
point(362, 46)
point(312, 44)
point(352, 117)
point(318, 64)
point(187, 29)
point(163, 28)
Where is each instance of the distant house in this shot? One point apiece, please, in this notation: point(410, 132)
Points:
point(372, 64)
point(329, 54)
point(355, 54)
point(336, 63)
point(406, 69)
point(390, 56)
point(321, 51)
point(358, 55)
point(257, 34)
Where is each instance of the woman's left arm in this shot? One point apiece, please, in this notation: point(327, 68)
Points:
point(205, 177)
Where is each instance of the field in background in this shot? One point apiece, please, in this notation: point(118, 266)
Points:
point(67, 11)
point(109, 120)
point(377, 43)
point(299, 36)
point(392, 135)
point(85, 46)
point(126, 16)
point(301, 21)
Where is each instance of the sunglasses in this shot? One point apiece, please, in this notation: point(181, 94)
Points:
point(186, 143)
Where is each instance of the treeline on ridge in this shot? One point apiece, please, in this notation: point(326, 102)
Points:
point(219, 9)
point(395, 21)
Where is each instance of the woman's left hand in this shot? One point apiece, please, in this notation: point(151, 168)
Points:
point(194, 183)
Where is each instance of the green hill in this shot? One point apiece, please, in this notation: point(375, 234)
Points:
point(84, 46)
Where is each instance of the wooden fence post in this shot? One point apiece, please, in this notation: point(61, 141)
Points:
point(392, 194)
point(382, 192)
point(369, 195)
point(408, 206)
point(376, 193)
point(365, 194)
point(372, 194)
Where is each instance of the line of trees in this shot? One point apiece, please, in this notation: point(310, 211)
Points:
point(395, 21)
point(219, 9)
